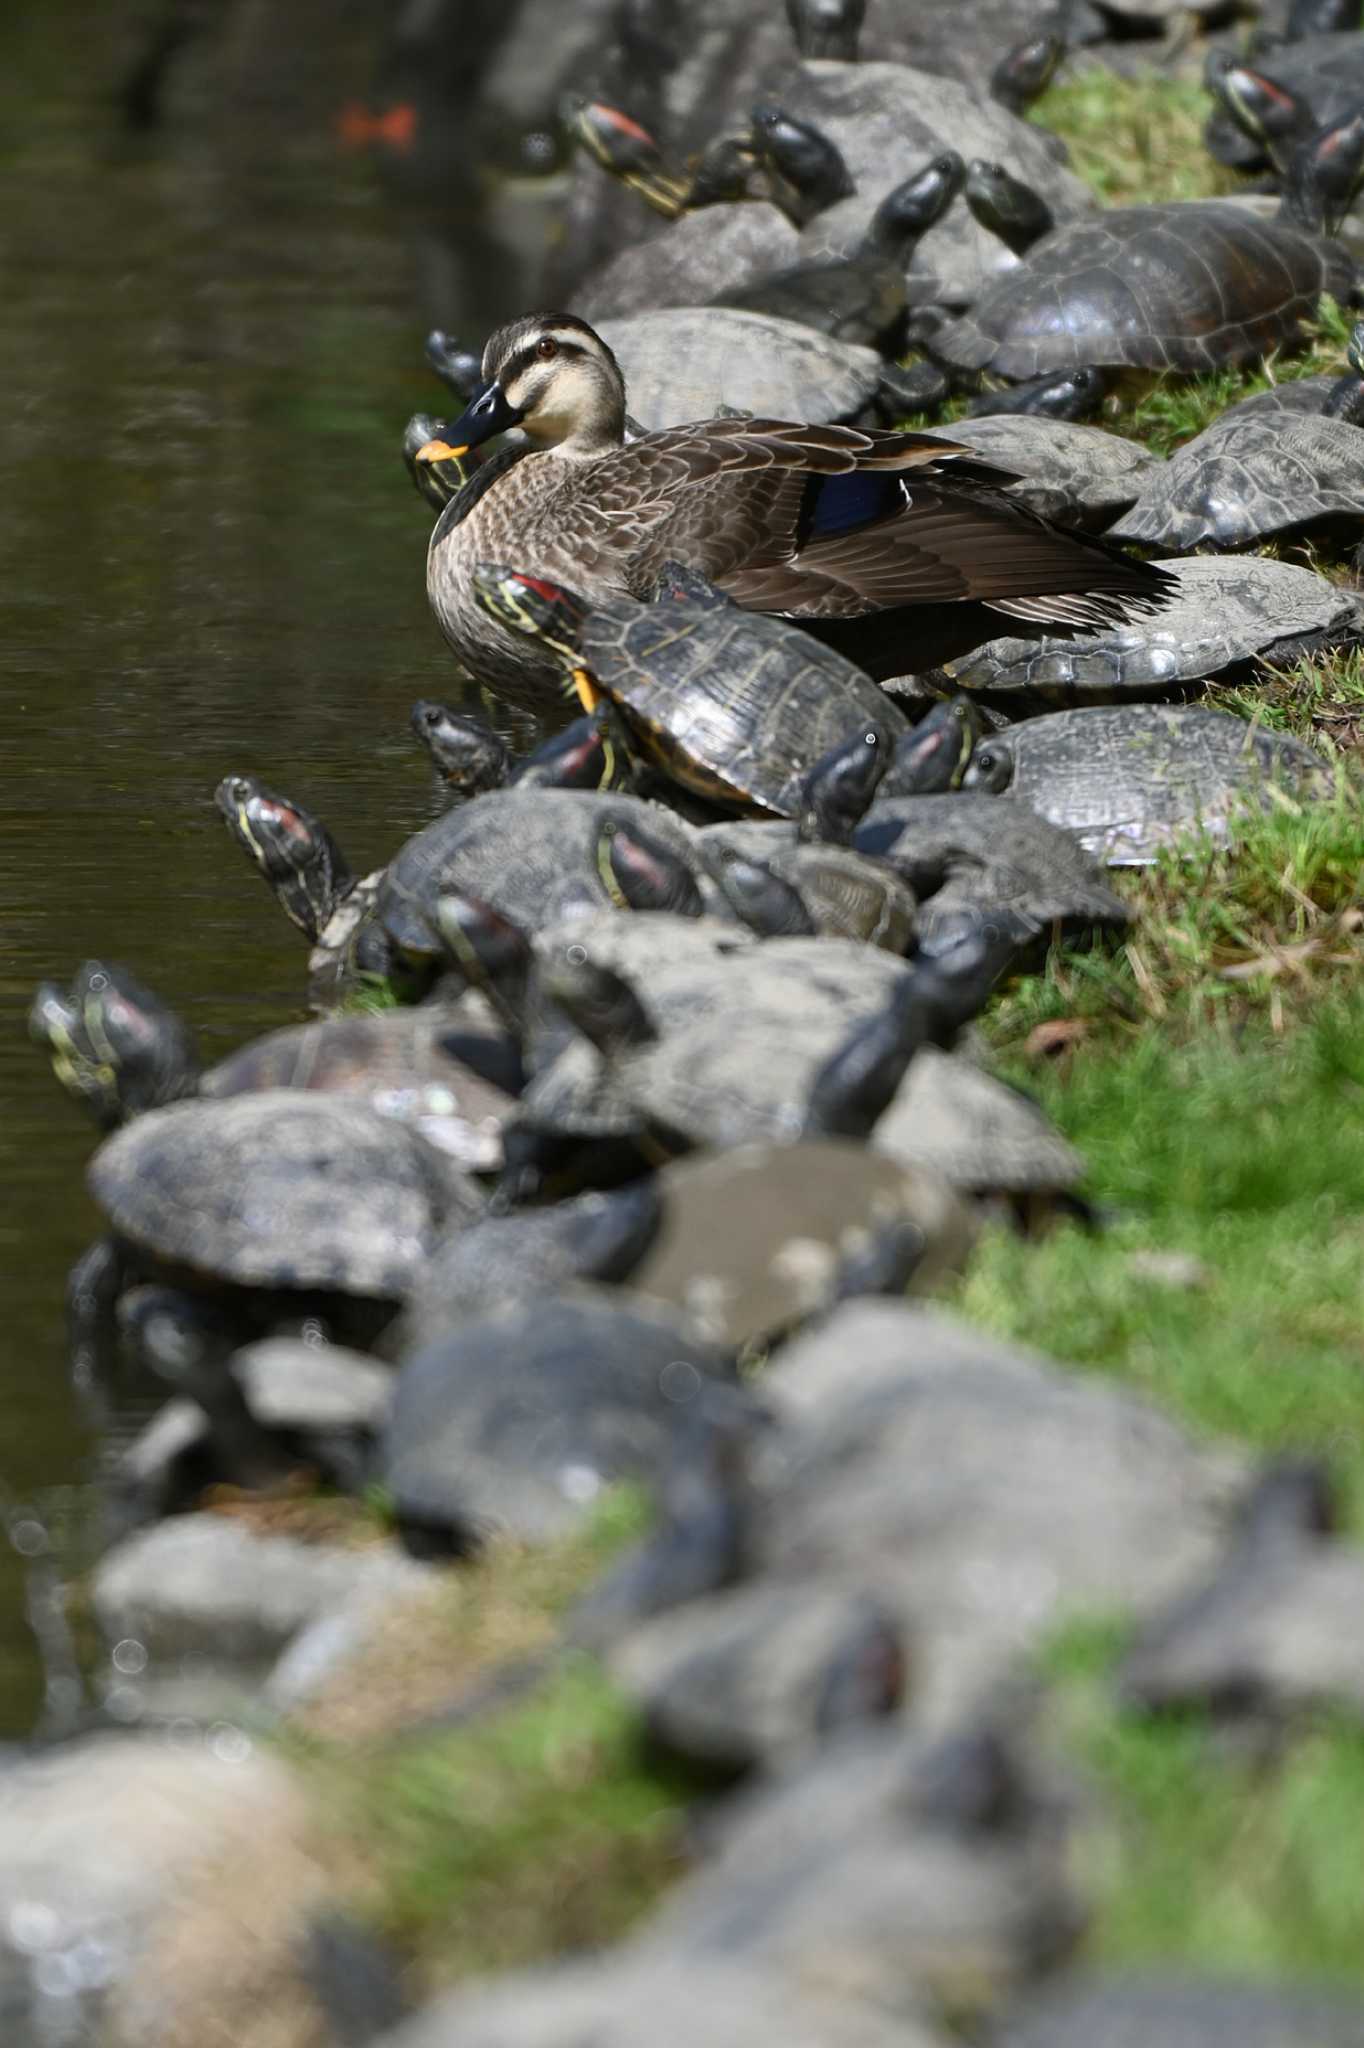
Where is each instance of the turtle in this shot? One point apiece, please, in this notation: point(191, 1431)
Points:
point(703, 253)
point(1006, 207)
point(599, 1236)
point(862, 297)
point(805, 890)
point(1246, 480)
point(1229, 614)
point(888, 119)
point(827, 29)
point(1129, 778)
point(1138, 2009)
point(1023, 73)
point(1187, 286)
point(438, 481)
point(707, 362)
point(626, 150)
point(469, 757)
point(278, 1198)
point(736, 706)
point(1064, 395)
point(806, 165)
point(120, 1051)
point(1319, 78)
point(1077, 475)
point(967, 863)
point(986, 1139)
point(465, 752)
point(515, 1421)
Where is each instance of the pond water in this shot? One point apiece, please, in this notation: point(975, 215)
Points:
point(211, 560)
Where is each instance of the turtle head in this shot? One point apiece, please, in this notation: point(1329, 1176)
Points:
point(491, 952)
point(802, 154)
point(1024, 73)
point(842, 783)
point(911, 208)
point(936, 756)
point(528, 604)
point(600, 1002)
point(437, 478)
point(465, 752)
point(183, 1338)
point(759, 897)
point(551, 375)
point(293, 850)
point(1269, 113)
point(991, 767)
point(114, 1046)
point(1005, 205)
point(827, 28)
point(641, 872)
point(612, 138)
point(1323, 174)
point(588, 754)
point(459, 367)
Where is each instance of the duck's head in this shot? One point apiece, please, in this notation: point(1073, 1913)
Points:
point(553, 377)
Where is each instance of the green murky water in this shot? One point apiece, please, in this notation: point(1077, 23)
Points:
point(210, 560)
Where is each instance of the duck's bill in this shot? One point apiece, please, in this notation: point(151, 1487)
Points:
point(488, 413)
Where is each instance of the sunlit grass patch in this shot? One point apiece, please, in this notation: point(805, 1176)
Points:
point(1135, 140)
point(1319, 699)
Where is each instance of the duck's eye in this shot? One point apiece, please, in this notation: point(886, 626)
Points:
point(547, 349)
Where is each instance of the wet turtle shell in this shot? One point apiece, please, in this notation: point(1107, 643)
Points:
point(1188, 286)
point(1243, 480)
point(1127, 778)
point(1296, 394)
point(1228, 613)
point(1077, 475)
point(966, 862)
point(281, 1189)
point(737, 705)
point(700, 362)
point(743, 1030)
point(532, 854)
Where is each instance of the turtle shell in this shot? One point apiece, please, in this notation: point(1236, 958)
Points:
point(1226, 614)
point(1243, 479)
point(1078, 475)
point(1188, 286)
point(719, 248)
point(532, 854)
point(980, 1134)
point(1324, 71)
point(1128, 778)
point(281, 1189)
point(736, 704)
point(697, 362)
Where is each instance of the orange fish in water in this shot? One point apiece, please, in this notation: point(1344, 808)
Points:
point(396, 126)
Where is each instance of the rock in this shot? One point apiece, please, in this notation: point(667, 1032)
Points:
point(753, 1239)
point(624, 2000)
point(714, 250)
point(204, 1593)
point(910, 1874)
point(980, 1494)
point(517, 1421)
point(1174, 2012)
point(99, 1836)
point(761, 1674)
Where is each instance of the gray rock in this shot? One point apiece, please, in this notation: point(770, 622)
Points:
point(291, 1384)
point(625, 2000)
point(204, 1587)
point(99, 1836)
point(753, 1239)
point(979, 1493)
point(517, 1421)
point(1173, 2012)
point(761, 1674)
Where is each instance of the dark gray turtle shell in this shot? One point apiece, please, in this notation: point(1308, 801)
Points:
point(747, 702)
point(1183, 2012)
point(281, 1189)
point(888, 120)
point(1228, 613)
point(967, 860)
point(1245, 479)
point(742, 1031)
point(531, 853)
point(1296, 394)
point(1325, 71)
point(694, 362)
point(1078, 475)
point(981, 1135)
point(1128, 778)
point(411, 1064)
point(718, 248)
point(1188, 286)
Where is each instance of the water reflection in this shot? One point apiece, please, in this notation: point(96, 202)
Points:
point(210, 560)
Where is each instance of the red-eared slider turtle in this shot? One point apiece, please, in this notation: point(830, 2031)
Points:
point(1064, 395)
point(1079, 476)
point(805, 165)
point(861, 297)
point(827, 29)
point(966, 862)
point(1188, 286)
point(437, 482)
point(1320, 75)
point(470, 757)
point(1128, 778)
point(465, 752)
point(1023, 74)
point(120, 1050)
point(1009, 209)
point(1244, 480)
point(734, 705)
point(1229, 613)
point(281, 1189)
point(805, 890)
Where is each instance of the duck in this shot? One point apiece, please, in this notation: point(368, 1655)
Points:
point(899, 548)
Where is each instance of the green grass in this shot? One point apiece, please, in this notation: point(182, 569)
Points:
point(1319, 699)
point(1217, 1858)
point(1135, 140)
